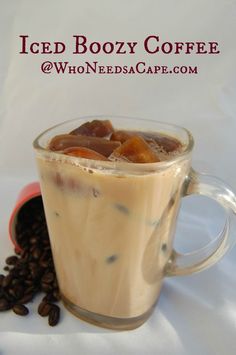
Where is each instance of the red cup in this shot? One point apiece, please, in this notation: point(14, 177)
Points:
point(28, 192)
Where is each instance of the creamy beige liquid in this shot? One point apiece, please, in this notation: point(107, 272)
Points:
point(111, 235)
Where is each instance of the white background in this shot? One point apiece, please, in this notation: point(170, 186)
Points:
point(196, 314)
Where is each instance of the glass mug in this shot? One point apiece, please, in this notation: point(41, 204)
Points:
point(112, 224)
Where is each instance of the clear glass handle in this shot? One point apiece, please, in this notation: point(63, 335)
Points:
point(210, 186)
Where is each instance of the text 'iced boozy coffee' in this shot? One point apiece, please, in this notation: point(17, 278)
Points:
point(111, 232)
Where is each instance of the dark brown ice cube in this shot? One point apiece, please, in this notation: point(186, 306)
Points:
point(96, 128)
point(84, 153)
point(100, 145)
point(168, 144)
point(121, 136)
point(136, 150)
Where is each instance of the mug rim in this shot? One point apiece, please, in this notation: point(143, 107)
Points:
point(116, 164)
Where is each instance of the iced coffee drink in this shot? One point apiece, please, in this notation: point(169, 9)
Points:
point(111, 197)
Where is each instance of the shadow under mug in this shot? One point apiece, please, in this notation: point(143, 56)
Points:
point(112, 224)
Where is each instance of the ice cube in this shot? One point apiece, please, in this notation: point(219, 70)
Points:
point(84, 153)
point(96, 128)
point(100, 145)
point(121, 136)
point(136, 150)
point(168, 144)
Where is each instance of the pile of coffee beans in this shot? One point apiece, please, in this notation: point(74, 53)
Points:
point(31, 270)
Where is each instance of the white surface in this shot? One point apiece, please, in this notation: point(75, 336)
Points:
point(195, 314)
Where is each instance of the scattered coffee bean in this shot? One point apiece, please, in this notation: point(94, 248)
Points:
point(6, 295)
point(46, 287)
point(56, 294)
point(4, 305)
point(54, 315)
point(50, 298)
point(31, 270)
point(44, 309)
point(26, 298)
point(20, 309)
point(17, 292)
point(7, 280)
point(11, 260)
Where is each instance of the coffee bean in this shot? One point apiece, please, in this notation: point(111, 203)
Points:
point(24, 254)
point(26, 298)
point(32, 268)
point(36, 273)
point(31, 249)
point(4, 305)
point(15, 282)
point(13, 273)
point(41, 308)
point(35, 226)
point(11, 260)
point(44, 309)
point(7, 280)
point(6, 268)
point(36, 253)
point(39, 218)
point(47, 247)
point(50, 298)
point(33, 240)
point(1, 279)
point(46, 287)
point(30, 289)
point(16, 292)
point(23, 272)
point(11, 292)
point(44, 263)
point(48, 278)
point(57, 295)
point(29, 282)
point(20, 309)
point(32, 265)
point(19, 291)
point(54, 315)
point(6, 295)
